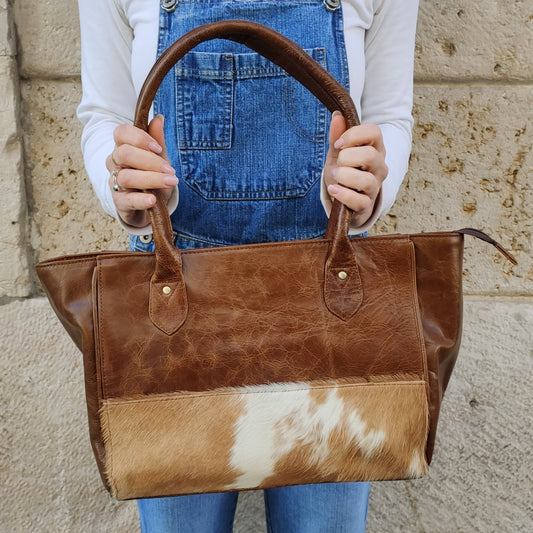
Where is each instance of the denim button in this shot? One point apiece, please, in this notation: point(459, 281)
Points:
point(169, 5)
point(332, 5)
point(146, 239)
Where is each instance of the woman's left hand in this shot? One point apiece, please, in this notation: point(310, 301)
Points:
point(355, 167)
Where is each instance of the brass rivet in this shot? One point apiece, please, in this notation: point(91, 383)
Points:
point(167, 290)
point(342, 275)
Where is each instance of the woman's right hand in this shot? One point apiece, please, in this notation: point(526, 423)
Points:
point(141, 162)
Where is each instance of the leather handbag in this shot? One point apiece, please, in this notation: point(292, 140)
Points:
point(262, 365)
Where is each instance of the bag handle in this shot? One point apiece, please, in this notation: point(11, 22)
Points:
point(342, 288)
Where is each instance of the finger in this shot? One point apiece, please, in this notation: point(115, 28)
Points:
point(337, 127)
point(362, 135)
point(132, 206)
point(357, 202)
point(156, 129)
point(131, 156)
point(128, 134)
point(110, 163)
point(364, 157)
point(357, 180)
point(130, 201)
point(129, 178)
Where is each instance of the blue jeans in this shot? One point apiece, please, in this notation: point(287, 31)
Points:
point(332, 507)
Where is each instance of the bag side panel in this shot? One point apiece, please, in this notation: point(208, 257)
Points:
point(439, 262)
point(68, 283)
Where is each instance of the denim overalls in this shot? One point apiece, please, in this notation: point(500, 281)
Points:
point(247, 141)
point(248, 144)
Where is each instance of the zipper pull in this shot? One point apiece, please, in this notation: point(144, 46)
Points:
point(484, 237)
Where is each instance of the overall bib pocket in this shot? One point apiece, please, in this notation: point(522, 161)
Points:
point(222, 139)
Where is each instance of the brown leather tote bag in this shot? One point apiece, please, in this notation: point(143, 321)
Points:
point(262, 365)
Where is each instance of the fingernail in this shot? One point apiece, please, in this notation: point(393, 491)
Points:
point(149, 201)
point(155, 147)
point(336, 113)
point(333, 189)
point(167, 169)
point(162, 119)
point(339, 143)
point(171, 181)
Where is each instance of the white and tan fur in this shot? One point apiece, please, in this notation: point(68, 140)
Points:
point(265, 436)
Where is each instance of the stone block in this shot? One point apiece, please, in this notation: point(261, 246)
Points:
point(489, 40)
point(46, 455)
point(480, 478)
point(66, 216)
point(455, 40)
point(7, 41)
point(49, 38)
point(14, 273)
point(470, 167)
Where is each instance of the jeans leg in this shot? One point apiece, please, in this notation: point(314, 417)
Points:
point(323, 508)
point(199, 513)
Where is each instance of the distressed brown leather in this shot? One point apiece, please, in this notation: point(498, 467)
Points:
point(263, 313)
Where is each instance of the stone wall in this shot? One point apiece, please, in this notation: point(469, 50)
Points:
point(470, 165)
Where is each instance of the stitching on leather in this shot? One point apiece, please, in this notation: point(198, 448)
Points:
point(63, 261)
point(319, 242)
point(170, 397)
point(113, 254)
point(438, 236)
point(417, 313)
point(101, 323)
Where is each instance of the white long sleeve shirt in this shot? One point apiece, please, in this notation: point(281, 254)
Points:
point(119, 44)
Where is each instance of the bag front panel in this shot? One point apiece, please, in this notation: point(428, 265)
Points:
point(257, 315)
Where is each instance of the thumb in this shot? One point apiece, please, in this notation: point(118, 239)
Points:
point(157, 132)
point(336, 128)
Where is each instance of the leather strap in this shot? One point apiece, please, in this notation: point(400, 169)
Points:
point(342, 295)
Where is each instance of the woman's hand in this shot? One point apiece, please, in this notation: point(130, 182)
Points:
point(140, 162)
point(355, 166)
